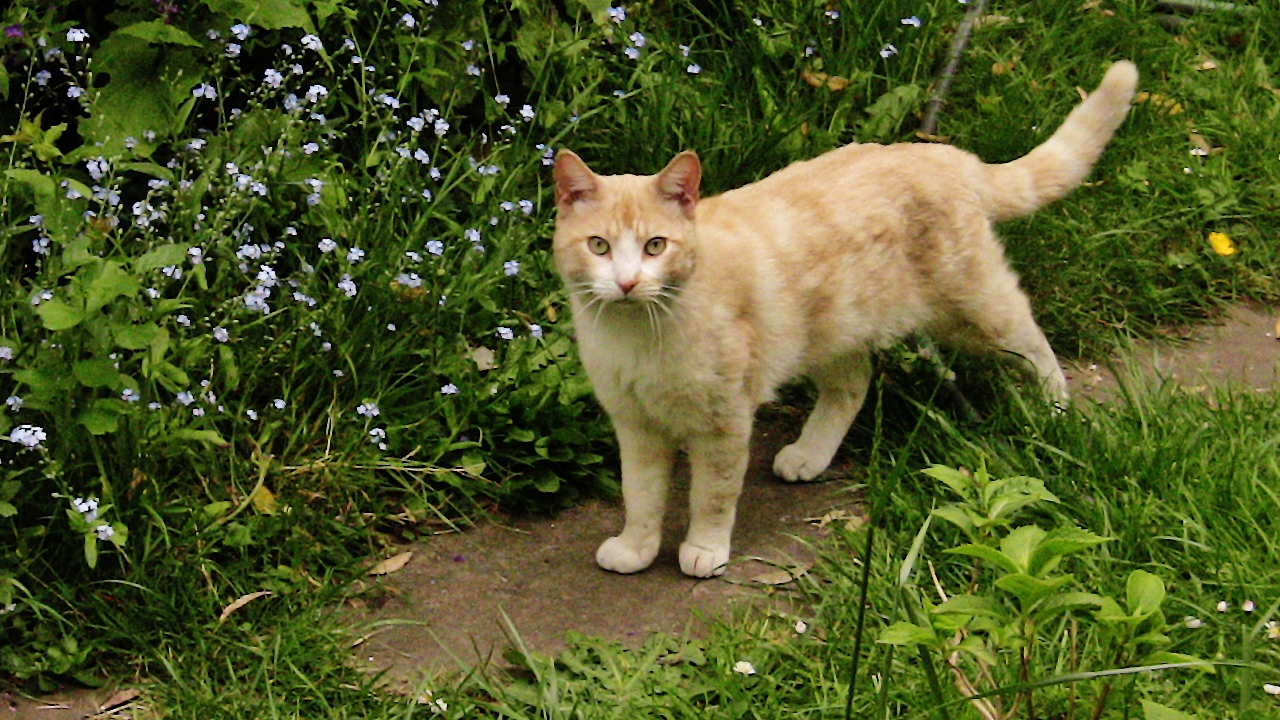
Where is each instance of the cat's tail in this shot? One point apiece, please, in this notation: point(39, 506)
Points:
point(1059, 164)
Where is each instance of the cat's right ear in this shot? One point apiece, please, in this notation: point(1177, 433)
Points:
point(574, 180)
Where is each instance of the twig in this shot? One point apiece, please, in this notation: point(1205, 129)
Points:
point(929, 125)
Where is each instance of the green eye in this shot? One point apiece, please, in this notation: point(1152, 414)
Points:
point(655, 246)
point(597, 245)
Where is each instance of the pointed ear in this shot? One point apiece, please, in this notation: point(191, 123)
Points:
point(680, 179)
point(574, 180)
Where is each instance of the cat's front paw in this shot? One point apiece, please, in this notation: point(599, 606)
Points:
point(621, 556)
point(796, 464)
point(703, 562)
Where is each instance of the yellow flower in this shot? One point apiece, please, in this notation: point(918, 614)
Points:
point(1221, 243)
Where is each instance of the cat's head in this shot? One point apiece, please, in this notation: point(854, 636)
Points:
point(626, 238)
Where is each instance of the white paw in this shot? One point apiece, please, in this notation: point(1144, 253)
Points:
point(794, 463)
point(621, 556)
point(698, 561)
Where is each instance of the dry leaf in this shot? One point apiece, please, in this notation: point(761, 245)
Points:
point(226, 611)
point(119, 698)
point(264, 501)
point(932, 138)
point(391, 564)
point(1084, 94)
point(484, 358)
point(1199, 141)
point(773, 576)
point(991, 21)
point(1001, 68)
point(1277, 334)
point(834, 83)
point(1090, 5)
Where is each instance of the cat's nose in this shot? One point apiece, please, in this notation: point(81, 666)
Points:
point(627, 285)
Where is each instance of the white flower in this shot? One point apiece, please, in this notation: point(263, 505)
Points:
point(632, 53)
point(913, 21)
point(526, 206)
point(441, 127)
point(252, 414)
point(1273, 630)
point(1192, 622)
point(311, 42)
point(426, 194)
point(407, 20)
point(87, 508)
point(355, 255)
point(233, 50)
point(172, 271)
point(888, 50)
point(42, 78)
point(510, 267)
point(526, 112)
point(535, 331)
point(416, 123)
point(241, 31)
point(1223, 606)
point(14, 402)
point(435, 247)
point(74, 91)
point(468, 45)
point(129, 395)
point(617, 14)
point(409, 280)
point(310, 148)
point(832, 15)
point(801, 627)
point(637, 39)
point(505, 333)
point(347, 286)
point(278, 403)
point(471, 234)
point(744, 668)
point(421, 156)
point(77, 35)
point(327, 245)
point(684, 51)
point(694, 69)
point(316, 93)
point(368, 410)
point(105, 531)
point(205, 90)
point(1270, 689)
point(449, 389)
point(273, 78)
point(501, 99)
point(6, 352)
point(186, 398)
point(183, 320)
point(1248, 606)
point(473, 70)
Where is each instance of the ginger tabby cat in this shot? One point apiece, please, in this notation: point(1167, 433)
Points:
point(690, 312)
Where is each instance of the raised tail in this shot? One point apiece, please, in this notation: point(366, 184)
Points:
point(1059, 164)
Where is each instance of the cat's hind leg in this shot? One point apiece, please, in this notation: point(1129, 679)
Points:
point(842, 388)
point(647, 459)
point(1002, 315)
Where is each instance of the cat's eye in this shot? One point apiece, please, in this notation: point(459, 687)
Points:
point(655, 246)
point(597, 245)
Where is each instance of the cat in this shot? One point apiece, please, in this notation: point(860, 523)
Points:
point(690, 312)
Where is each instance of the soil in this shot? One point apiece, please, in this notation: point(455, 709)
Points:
point(461, 597)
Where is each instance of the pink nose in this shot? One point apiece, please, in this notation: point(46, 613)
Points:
point(627, 285)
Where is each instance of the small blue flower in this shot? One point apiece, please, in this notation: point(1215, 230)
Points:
point(510, 268)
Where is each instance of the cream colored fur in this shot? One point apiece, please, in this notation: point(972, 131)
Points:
point(804, 273)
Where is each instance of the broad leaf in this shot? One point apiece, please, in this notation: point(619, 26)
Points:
point(1020, 544)
point(135, 337)
point(959, 483)
point(957, 516)
point(990, 554)
point(909, 562)
point(110, 283)
point(1059, 543)
point(59, 315)
point(972, 605)
point(906, 634)
point(156, 31)
point(1065, 602)
point(1144, 593)
point(1028, 589)
point(172, 254)
point(1156, 711)
point(98, 372)
point(99, 422)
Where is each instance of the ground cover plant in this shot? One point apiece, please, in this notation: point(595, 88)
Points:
point(277, 295)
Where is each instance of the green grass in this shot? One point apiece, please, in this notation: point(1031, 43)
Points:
point(1187, 490)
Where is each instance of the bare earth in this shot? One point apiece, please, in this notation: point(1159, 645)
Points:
point(446, 606)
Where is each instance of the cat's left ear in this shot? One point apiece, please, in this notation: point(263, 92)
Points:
point(680, 179)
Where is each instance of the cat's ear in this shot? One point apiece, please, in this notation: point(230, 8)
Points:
point(574, 180)
point(680, 179)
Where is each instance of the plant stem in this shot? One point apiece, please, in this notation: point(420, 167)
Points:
point(862, 615)
point(934, 686)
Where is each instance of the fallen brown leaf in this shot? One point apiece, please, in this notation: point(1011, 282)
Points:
point(226, 611)
point(483, 358)
point(834, 83)
point(391, 564)
point(264, 501)
point(119, 698)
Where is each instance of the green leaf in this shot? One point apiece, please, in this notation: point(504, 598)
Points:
point(1065, 602)
point(908, 635)
point(147, 168)
point(1144, 592)
point(957, 516)
point(959, 483)
point(1164, 657)
point(1062, 542)
point(7, 510)
point(91, 549)
point(172, 254)
point(1021, 543)
point(230, 370)
point(977, 648)
point(135, 337)
point(206, 436)
point(520, 435)
point(266, 14)
point(990, 554)
point(974, 605)
point(1156, 711)
point(96, 373)
point(1030, 590)
point(157, 31)
point(110, 283)
point(909, 562)
point(547, 483)
point(98, 422)
point(59, 315)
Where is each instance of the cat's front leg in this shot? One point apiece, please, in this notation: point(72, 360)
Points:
point(647, 459)
point(717, 466)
